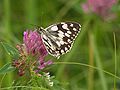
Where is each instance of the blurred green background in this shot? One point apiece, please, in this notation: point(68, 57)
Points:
point(94, 45)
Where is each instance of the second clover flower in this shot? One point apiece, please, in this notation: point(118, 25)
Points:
point(100, 7)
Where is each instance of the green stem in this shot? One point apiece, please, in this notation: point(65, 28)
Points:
point(8, 35)
point(115, 61)
point(7, 20)
point(99, 64)
point(87, 65)
point(31, 11)
point(27, 88)
point(2, 80)
point(65, 9)
point(91, 62)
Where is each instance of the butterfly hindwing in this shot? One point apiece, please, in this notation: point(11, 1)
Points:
point(60, 37)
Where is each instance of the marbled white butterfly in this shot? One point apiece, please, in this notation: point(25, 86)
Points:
point(58, 38)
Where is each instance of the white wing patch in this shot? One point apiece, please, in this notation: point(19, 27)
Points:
point(54, 28)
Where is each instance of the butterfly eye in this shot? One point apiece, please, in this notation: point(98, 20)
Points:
point(40, 30)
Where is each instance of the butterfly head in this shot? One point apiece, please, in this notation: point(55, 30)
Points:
point(40, 30)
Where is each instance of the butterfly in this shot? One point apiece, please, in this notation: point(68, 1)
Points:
point(58, 38)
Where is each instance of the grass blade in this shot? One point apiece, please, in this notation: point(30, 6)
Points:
point(115, 61)
point(6, 68)
point(99, 64)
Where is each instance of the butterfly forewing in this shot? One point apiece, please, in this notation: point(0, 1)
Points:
point(59, 38)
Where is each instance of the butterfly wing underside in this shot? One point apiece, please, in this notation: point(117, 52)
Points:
point(59, 37)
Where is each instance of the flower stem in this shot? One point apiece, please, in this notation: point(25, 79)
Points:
point(87, 65)
point(115, 61)
point(91, 62)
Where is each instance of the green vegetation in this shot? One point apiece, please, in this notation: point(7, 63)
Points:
point(94, 60)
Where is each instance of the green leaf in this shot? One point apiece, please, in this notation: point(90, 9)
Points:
point(11, 50)
point(6, 68)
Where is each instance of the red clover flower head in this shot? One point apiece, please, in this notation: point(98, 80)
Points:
point(100, 7)
point(34, 48)
point(34, 44)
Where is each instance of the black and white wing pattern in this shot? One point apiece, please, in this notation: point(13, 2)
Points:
point(58, 38)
